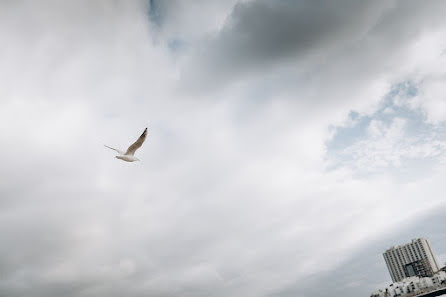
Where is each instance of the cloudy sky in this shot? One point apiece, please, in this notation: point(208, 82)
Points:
point(290, 143)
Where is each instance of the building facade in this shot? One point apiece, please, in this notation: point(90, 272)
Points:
point(412, 259)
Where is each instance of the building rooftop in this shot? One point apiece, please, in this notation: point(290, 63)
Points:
point(402, 245)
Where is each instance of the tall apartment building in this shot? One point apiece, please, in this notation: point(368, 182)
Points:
point(412, 259)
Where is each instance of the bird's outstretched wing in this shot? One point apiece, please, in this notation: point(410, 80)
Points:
point(120, 152)
point(132, 149)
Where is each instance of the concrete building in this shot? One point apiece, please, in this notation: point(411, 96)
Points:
point(412, 259)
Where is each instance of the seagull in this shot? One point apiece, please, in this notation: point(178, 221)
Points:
point(128, 156)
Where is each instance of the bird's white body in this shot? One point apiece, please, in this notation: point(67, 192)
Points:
point(128, 156)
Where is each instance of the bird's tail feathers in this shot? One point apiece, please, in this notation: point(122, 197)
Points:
point(122, 153)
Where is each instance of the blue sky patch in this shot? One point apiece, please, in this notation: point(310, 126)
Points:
point(396, 138)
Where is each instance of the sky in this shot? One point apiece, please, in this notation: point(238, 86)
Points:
point(290, 143)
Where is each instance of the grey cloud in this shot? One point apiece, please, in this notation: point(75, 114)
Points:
point(365, 271)
point(339, 41)
point(180, 20)
point(262, 32)
point(226, 190)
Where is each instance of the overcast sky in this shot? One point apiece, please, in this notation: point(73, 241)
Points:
point(290, 143)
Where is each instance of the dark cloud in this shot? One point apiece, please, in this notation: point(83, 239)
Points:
point(259, 33)
point(309, 40)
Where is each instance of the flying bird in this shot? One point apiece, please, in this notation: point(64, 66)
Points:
point(128, 156)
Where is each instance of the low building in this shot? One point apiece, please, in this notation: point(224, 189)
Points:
point(412, 285)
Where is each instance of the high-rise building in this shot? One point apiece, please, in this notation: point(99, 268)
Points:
point(412, 259)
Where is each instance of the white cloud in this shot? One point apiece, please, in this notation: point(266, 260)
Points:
point(392, 146)
point(231, 197)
